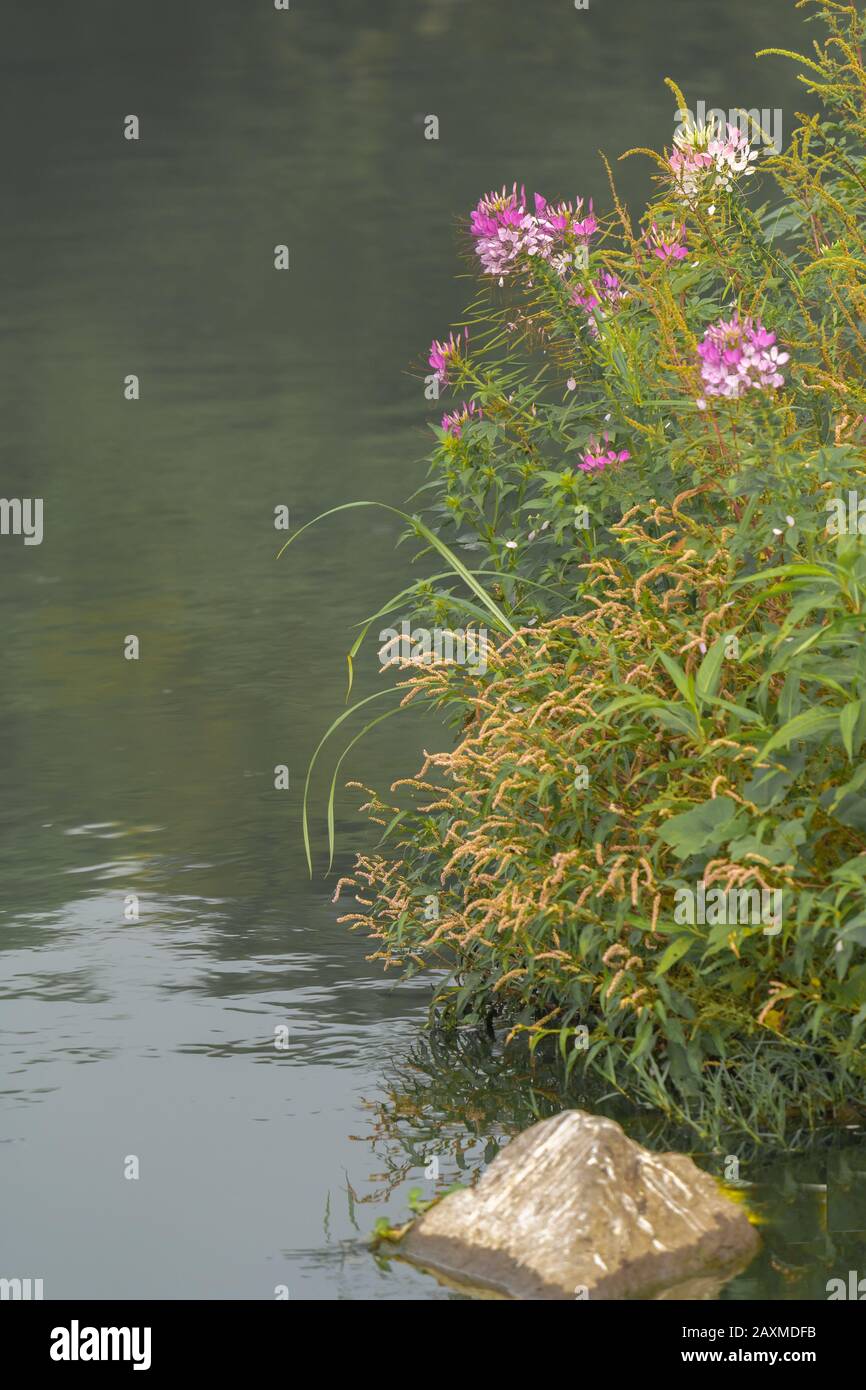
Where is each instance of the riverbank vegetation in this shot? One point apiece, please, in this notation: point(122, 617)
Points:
point(652, 463)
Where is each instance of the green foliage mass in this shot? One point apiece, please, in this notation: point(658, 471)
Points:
point(681, 696)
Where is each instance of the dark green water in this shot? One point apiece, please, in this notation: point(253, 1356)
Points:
point(258, 1167)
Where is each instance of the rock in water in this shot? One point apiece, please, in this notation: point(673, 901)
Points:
point(573, 1208)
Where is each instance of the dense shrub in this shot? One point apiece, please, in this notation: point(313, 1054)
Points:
point(653, 460)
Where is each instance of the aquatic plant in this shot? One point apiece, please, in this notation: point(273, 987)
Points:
point(670, 735)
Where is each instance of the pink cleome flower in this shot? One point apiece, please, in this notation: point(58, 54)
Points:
point(668, 244)
point(738, 356)
point(707, 157)
point(505, 230)
point(443, 354)
point(453, 424)
point(598, 455)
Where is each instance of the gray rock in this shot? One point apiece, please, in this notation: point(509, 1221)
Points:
point(573, 1208)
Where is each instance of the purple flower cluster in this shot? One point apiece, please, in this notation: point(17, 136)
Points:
point(453, 424)
point(505, 230)
point(443, 354)
point(738, 356)
point(599, 455)
point(668, 245)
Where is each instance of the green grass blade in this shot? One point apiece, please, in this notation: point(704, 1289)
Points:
point(445, 551)
point(366, 729)
point(377, 695)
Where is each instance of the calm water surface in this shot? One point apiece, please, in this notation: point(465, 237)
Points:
point(258, 1167)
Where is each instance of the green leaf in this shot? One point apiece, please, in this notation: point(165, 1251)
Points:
point(683, 683)
point(847, 724)
point(851, 811)
point(710, 670)
point(810, 722)
point(704, 827)
point(847, 789)
point(853, 992)
point(789, 571)
point(644, 1038)
point(676, 719)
